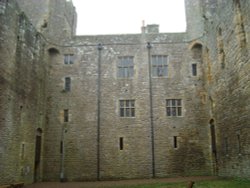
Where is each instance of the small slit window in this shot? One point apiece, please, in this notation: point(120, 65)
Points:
point(66, 115)
point(67, 86)
point(121, 143)
point(194, 69)
point(175, 144)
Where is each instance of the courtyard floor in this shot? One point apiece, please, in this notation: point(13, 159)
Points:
point(104, 184)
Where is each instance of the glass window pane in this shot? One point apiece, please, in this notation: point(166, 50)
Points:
point(122, 112)
point(168, 111)
point(179, 111)
point(173, 102)
point(173, 111)
point(132, 112)
point(127, 103)
point(127, 112)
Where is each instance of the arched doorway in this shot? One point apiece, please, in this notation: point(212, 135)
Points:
point(213, 145)
point(37, 174)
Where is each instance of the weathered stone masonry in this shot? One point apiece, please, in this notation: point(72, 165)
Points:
point(61, 96)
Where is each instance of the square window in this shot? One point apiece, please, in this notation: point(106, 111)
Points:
point(173, 107)
point(127, 108)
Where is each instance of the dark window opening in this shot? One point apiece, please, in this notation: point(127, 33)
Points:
point(197, 52)
point(175, 142)
point(121, 143)
point(67, 84)
point(61, 147)
point(194, 69)
point(66, 115)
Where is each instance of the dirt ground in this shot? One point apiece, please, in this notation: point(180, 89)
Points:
point(104, 184)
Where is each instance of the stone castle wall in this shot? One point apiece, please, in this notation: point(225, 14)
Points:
point(82, 134)
point(227, 74)
point(23, 91)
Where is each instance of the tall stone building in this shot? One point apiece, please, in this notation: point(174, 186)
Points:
point(145, 105)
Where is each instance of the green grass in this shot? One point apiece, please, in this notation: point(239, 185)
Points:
point(222, 183)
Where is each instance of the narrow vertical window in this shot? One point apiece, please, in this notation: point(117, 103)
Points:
point(66, 115)
point(194, 69)
point(67, 86)
point(175, 141)
point(121, 143)
point(61, 147)
point(68, 59)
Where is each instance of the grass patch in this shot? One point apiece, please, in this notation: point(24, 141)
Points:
point(221, 183)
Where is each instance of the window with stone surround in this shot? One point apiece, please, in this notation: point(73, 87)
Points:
point(68, 59)
point(127, 108)
point(159, 66)
point(174, 107)
point(125, 67)
point(67, 84)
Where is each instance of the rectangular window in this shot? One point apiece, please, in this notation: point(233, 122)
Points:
point(121, 143)
point(194, 69)
point(68, 59)
point(174, 107)
point(66, 115)
point(127, 108)
point(175, 141)
point(125, 67)
point(67, 86)
point(159, 66)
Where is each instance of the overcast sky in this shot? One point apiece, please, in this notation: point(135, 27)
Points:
point(126, 16)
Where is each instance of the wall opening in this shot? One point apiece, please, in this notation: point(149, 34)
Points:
point(197, 52)
point(175, 142)
point(37, 175)
point(213, 145)
point(121, 143)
